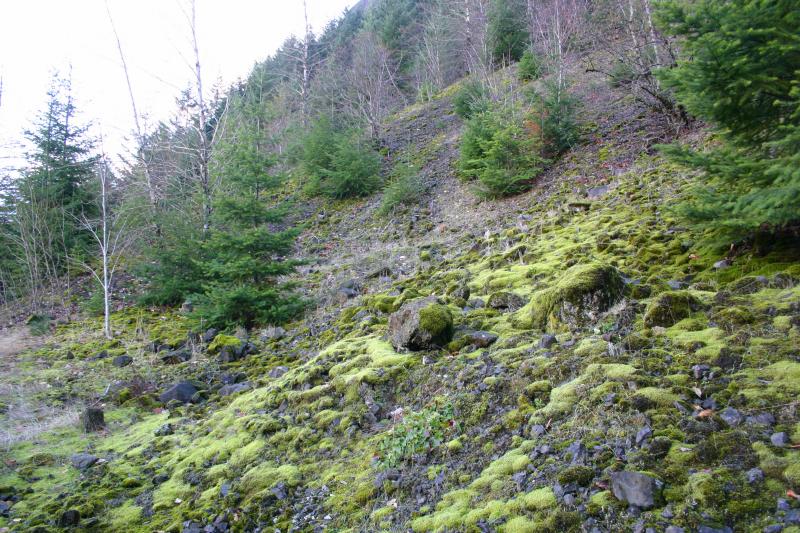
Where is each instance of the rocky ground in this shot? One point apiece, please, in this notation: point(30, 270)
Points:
point(572, 359)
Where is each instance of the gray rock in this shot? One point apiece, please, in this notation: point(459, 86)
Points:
point(731, 416)
point(480, 339)
point(82, 461)
point(780, 439)
point(547, 341)
point(69, 518)
point(722, 264)
point(476, 303)
point(537, 430)
point(708, 529)
point(505, 300)
point(636, 489)
point(577, 452)
point(278, 371)
point(754, 475)
point(233, 377)
point(596, 192)
point(233, 388)
point(774, 528)
point(122, 360)
point(700, 371)
point(674, 529)
point(181, 355)
point(643, 434)
point(782, 505)
point(677, 285)
point(273, 333)
point(209, 335)
point(792, 517)
point(181, 392)
point(421, 324)
point(761, 419)
point(164, 430)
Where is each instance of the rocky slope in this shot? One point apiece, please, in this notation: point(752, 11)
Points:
point(574, 358)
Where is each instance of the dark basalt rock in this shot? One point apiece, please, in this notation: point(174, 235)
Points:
point(181, 392)
point(122, 361)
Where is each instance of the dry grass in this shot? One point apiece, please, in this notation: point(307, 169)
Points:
point(25, 419)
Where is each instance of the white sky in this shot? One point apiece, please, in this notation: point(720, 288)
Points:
point(39, 37)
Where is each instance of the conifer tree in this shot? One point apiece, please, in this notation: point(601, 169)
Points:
point(739, 71)
point(244, 253)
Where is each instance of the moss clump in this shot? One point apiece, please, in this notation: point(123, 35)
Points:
point(669, 308)
point(731, 317)
point(520, 524)
point(580, 475)
point(706, 489)
point(221, 341)
point(576, 299)
point(437, 320)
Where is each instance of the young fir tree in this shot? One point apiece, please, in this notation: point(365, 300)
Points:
point(54, 192)
point(739, 72)
point(243, 254)
point(507, 32)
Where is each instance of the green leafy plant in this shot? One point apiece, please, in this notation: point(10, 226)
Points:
point(418, 433)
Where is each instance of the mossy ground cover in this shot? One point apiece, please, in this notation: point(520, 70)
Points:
point(302, 447)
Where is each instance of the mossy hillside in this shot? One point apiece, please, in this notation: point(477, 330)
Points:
point(314, 431)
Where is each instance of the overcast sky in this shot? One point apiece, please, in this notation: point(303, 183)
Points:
point(40, 37)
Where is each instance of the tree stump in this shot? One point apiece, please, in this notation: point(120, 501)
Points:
point(93, 419)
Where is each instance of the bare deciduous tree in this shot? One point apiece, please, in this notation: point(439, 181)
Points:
point(112, 236)
point(556, 27)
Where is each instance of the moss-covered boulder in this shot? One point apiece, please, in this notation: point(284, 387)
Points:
point(669, 308)
point(576, 300)
point(421, 324)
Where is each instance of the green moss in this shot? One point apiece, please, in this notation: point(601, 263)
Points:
point(265, 476)
point(600, 501)
point(575, 300)
point(538, 499)
point(437, 320)
point(520, 524)
point(221, 341)
point(581, 475)
point(668, 308)
point(659, 397)
point(705, 488)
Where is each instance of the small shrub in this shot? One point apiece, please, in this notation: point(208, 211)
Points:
point(418, 433)
point(471, 99)
point(529, 67)
point(405, 189)
point(498, 151)
point(228, 306)
point(338, 163)
point(559, 125)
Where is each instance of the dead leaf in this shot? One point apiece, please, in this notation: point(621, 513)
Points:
point(698, 391)
point(705, 413)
